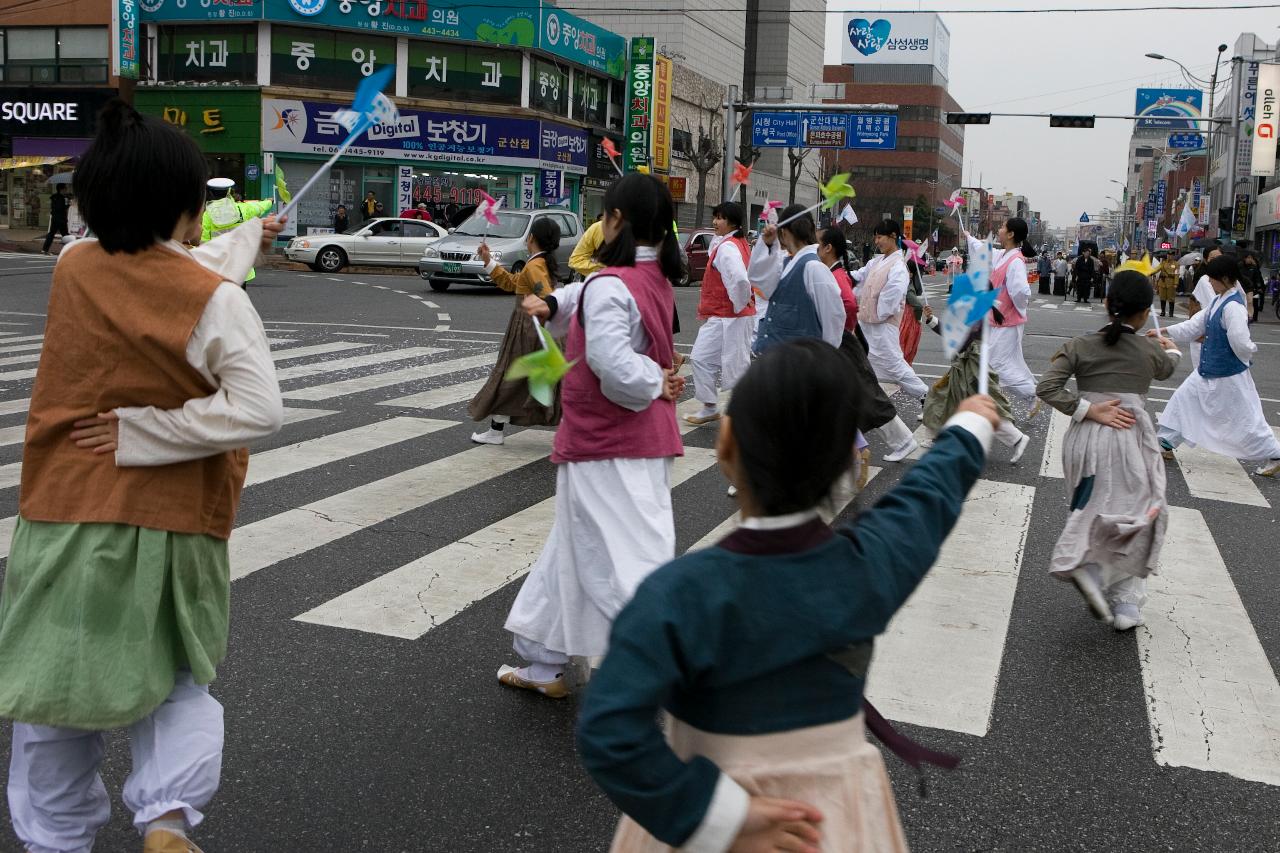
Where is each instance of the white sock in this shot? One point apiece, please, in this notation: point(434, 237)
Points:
point(177, 827)
point(543, 671)
point(708, 409)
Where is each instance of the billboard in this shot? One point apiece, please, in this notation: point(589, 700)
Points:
point(1170, 109)
point(1266, 122)
point(897, 38)
point(635, 145)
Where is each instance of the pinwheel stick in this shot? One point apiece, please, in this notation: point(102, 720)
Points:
point(984, 357)
point(1155, 318)
point(542, 339)
point(323, 171)
point(804, 212)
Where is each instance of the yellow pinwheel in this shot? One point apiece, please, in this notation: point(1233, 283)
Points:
point(836, 189)
point(543, 369)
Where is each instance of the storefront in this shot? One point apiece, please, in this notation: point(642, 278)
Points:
point(224, 122)
point(600, 173)
point(445, 160)
point(1266, 219)
point(42, 132)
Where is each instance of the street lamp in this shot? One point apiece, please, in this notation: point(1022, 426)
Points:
point(1213, 89)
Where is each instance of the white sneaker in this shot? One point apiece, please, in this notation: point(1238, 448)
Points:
point(704, 416)
point(1126, 619)
point(489, 436)
point(903, 452)
point(732, 491)
point(1270, 469)
point(1093, 596)
point(1019, 449)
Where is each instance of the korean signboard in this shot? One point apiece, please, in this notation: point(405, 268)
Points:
point(124, 38)
point(639, 106)
point(1172, 109)
point(1248, 116)
point(528, 191)
point(549, 88)
point(212, 10)
point(578, 40)
point(889, 39)
point(216, 54)
point(875, 131)
point(465, 73)
point(513, 22)
point(1266, 128)
point(327, 59)
point(564, 148)
point(1161, 189)
point(661, 113)
point(552, 185)
point(307, 127)
point(220, 122)
point(1204, 209)
point(1240, 214)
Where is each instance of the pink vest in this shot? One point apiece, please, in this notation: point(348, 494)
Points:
point(869, 299)
point(593, 426)
point(1012, 317)
point(715, 301)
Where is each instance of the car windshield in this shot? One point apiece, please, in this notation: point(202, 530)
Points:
point(509, 225)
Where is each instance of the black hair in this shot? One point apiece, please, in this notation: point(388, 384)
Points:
point(219, 192)
point(731, 212)
point(802, 227)
point(1129, 293)
point(546, 233)
point(888, 228)
point(648, 216)
point(1223, 268)
point(1017, 226)
point(800, 388)
point(132, 158)
point(839, 244)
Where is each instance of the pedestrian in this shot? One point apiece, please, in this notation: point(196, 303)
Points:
point(502, 401)
point(114, 614)
point(1201, 295)
point(1061, 271)
point(961, 382)
point(1103, 276)
point(340, 221)
point(59, 207)
point(369, 207)
point(1251, 280)
point(722, 350)
point(1082, 274)
point(785, 268)
point(1167, 285)
point(583, 259)
point(1044, 267)
point(615, 444)
point(379, 211)
point(729, 712)
point(1009, 317)
point(223, 213)
point(1273, 287)
point(1110, 455)
point(1217, 406)
point(882, 288)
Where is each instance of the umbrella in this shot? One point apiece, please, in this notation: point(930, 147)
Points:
point(1190, 258)
point(60, 178)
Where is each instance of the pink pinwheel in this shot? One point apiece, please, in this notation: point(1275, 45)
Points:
point(611, 151)
point(915, 251)
point(488, 207)
point(955, 201)
point(769, 216)
point(742, 173)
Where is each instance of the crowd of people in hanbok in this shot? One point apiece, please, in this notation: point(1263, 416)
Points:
point(722, 705)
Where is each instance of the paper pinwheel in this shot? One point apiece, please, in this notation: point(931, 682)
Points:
point(980, 265)
point(282, 189)
point(955, 201)
point(488, 207)
point(543, 369)
point(836, 189)
point(612, 152)
point(966, 305)
point(742, 173)
point(1143, 266)
point(769, 216)
point(915, 251)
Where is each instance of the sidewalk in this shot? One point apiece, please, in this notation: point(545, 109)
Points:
point(23, 240)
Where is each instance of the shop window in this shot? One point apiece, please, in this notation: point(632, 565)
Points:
point(53, 55)
point(591, 99)
point(681, 141)
point(324, 59)
point(549, 89)
point(207, 54)
point(457, 73)
point(616, 89)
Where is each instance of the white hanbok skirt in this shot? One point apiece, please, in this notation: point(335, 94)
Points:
point(1007, 361)
point(613, 527)
point(1223, 415)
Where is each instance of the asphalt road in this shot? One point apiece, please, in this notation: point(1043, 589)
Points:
point(374, 722)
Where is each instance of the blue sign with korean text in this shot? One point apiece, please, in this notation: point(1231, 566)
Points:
point(775, 130)
point(564, 148)
point(1160, 198)
point(578, 40)
point(1186, 140)
point(213, 10)
point(552, 183)
point(875, 131)
point(825, 130)
point(308, 127)
point(512, 22)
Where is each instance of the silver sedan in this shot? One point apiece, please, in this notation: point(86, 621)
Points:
point(390, 241)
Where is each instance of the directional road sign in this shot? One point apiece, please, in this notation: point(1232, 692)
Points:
point(824, 130)
point(1186, 140)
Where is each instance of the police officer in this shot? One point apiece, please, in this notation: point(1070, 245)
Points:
point(222, 212)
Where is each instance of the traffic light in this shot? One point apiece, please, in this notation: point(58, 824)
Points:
point(1070, 121)
point(968, 118)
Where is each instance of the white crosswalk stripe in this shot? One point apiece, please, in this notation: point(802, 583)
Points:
point(376, 359)
point(374, 381)
point(1213, 477)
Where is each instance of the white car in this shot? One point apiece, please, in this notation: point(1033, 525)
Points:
point(389, 241)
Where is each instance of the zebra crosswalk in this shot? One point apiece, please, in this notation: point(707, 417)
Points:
point(1213, 702)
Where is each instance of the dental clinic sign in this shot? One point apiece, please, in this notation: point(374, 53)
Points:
point(898, 38)
point(1266, 127)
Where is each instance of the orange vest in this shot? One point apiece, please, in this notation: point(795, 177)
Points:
point(714, 300)
point(116, 335)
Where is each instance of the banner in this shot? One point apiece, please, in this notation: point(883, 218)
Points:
point(1267, 122)
point(1240, 214)
point(578, 40)
point(404, 189)
point(528, 191)
point(895, 39)
point(1204, 209)
point(661, 113)
point(124, 37)
point(1172, 109)
point(1248, 115)
point(639, 108)
point(552, 185)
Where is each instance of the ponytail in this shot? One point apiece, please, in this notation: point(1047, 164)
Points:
point(648, 216)
point(1018, 229)
point(1130, 294)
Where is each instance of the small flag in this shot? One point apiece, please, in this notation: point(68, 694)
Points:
point(282, 189)
point(488, 207)
point(1187, 220)
point(847, 215)
point(980, 265)
point(542, 369)
point(741, 173)
point(370, 106)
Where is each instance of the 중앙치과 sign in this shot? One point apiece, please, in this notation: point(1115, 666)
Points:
point(639, 107)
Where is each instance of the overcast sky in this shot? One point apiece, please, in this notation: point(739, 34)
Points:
point(1077, 63)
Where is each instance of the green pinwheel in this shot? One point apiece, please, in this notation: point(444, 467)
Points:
point(541, 369)
point(836, 189)
point(282, 189)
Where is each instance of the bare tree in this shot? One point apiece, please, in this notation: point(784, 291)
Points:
point(706, 154)
point(795, 168)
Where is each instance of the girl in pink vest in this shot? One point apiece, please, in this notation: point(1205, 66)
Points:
point(1009, 271)
point(727, 310)
point(615, 444)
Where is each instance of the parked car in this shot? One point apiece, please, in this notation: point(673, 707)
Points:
point(453, 260)
point(697, 245)
point(388, 241)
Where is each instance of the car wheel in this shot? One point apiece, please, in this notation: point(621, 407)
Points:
point(684, 276)
point(438, 286)
point(331, 259)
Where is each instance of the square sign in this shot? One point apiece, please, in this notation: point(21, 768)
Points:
point(824, 130)
point(1186, 140)
point(875, 131)
point(775, 130)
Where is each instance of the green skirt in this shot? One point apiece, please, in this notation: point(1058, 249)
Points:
point(95, 619)
point(957, 384)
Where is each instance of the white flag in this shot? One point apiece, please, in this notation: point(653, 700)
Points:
point(847, 215)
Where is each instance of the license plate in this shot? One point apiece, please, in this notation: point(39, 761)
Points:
point(453, 268)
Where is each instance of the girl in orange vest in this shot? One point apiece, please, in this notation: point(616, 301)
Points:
point(155, 375)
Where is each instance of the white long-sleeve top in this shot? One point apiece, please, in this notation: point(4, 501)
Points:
point(1203, 292)
point(733, 272)
point(616, 339)
point(229, 349)
point(1015, 279)
point(1235, 318)
point(768, 266)
point(894, 292)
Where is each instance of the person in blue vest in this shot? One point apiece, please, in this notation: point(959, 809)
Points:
point(223, 213)
point(785, 267)
point(1217, 406)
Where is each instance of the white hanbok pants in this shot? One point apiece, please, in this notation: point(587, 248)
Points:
point(722, 350)
point(1006, 360)
point(57, 800)
point(613, 527)
point(884, 351)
